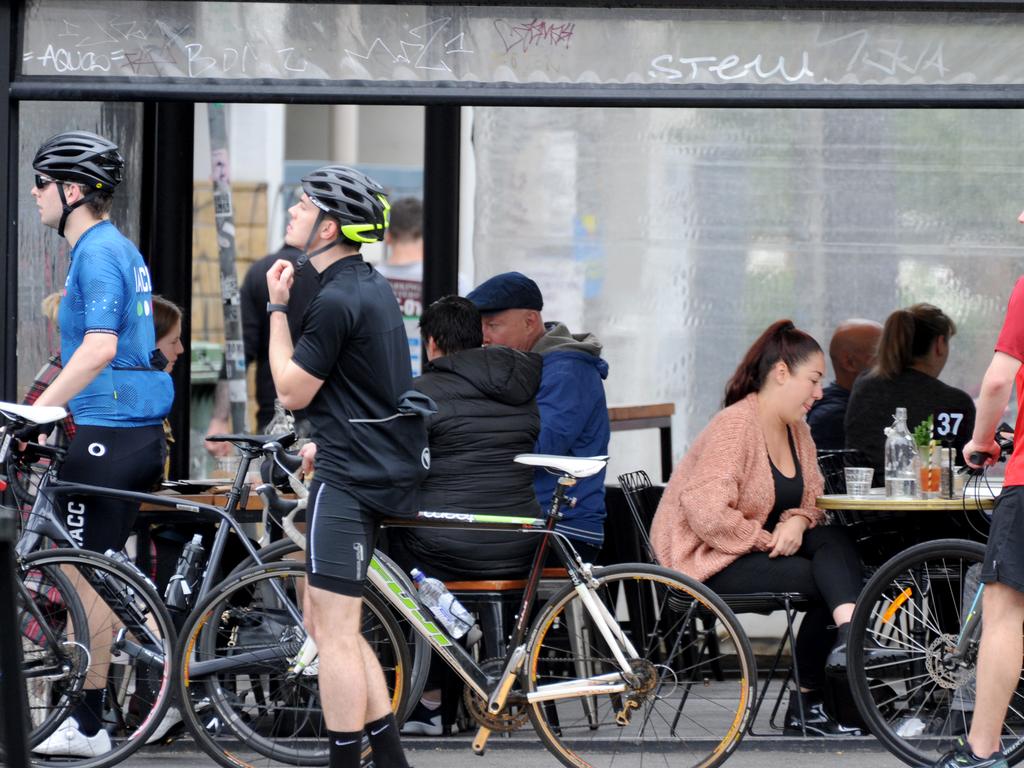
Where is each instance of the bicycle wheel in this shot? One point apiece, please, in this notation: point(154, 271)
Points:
point(692, 694)
point(130, 654)
point(915, 698)
point(235, 652)
point(54, 647)
point(419, 648)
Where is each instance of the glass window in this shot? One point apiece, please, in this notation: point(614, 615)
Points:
point(678, 235)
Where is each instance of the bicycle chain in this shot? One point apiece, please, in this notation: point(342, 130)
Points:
point(511, 718)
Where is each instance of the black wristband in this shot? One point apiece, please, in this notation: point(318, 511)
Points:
point(271, 308)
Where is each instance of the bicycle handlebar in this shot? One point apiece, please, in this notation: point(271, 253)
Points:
point(1005, 444)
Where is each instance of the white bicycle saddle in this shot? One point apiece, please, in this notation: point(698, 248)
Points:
point(575, 466)
point(34, 414)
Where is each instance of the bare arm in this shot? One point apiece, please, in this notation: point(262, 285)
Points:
point(995, 392)
point(95, 354)
point(295, 387)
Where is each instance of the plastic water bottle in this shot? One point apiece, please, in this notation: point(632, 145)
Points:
point(186, 574)
point(442, 603)
point(900, 452)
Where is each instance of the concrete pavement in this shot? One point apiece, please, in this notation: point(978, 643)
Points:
point(455, 753)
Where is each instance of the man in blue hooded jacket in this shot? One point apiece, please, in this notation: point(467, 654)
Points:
point(573, 410)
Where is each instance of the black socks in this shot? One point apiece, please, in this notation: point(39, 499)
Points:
point(346, 749)
point(386, 743)
point(89, 713)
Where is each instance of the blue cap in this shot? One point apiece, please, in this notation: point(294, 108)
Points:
point(509, 290)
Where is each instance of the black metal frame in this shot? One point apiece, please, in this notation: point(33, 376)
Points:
point(166, 237)
point(168, 150)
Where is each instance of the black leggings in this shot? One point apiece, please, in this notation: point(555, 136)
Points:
point(125, 458)
point(826, 568)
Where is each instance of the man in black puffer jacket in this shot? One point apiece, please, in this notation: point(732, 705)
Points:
point(486, 415)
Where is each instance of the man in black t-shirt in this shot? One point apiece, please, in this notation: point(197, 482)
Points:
point(349, 370)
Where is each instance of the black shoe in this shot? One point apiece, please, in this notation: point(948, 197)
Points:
point(423, 722)
point(875, 655)
point(961, 756)
point(837, 656)
point(816, 721)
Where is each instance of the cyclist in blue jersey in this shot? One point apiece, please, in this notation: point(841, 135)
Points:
point(115, 388)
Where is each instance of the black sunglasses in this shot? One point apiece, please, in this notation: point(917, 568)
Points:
point(43, 181)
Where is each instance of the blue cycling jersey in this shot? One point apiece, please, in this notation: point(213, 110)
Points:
point(108, 290)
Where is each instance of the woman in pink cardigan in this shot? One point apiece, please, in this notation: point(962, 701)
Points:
point(739, 514)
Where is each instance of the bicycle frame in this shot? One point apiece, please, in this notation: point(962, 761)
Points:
point(44, 521)
point(383, 576)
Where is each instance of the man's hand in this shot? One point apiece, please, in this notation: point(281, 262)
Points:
point(308, 454)
point(279, 281)
point(788, 536)
point(218, 426)
point(990, 449)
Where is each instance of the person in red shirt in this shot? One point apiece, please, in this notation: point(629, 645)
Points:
point(999, 658)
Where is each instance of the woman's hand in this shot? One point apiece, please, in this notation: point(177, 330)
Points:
point(788, 536)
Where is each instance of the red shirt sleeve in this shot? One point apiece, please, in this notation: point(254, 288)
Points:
point(1011, 337)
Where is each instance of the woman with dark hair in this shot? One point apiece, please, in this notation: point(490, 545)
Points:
point(739, 513)
point(911, 354)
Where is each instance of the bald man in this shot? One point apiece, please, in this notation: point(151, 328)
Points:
point(853, 350)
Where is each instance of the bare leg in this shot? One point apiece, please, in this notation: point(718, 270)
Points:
point(378, 702)
point(352, 687)
point(999, 664)
point(842, 614)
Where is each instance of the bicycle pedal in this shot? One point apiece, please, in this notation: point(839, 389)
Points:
point(624, 715)
point(480, 740)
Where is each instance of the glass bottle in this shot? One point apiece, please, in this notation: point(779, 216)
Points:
point(900, 453)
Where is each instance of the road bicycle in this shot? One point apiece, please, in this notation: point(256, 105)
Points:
point(913, 651)
point(617, 665)
point(86, 621)
point(272, 710)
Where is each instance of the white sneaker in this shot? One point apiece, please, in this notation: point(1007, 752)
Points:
point(423, 722)
point(68, 741)
point(171, 718)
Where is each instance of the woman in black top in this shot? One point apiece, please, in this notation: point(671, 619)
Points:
point(911, 355)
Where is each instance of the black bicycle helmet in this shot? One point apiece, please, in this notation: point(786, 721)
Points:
point(82, 158)
point(356, 200)
point(79, 157)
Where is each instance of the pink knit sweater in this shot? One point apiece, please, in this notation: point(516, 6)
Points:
point(721, 493)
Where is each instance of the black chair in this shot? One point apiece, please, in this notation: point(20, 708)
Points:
point(641, 497)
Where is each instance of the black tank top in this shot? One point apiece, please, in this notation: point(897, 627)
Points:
point(788, 490)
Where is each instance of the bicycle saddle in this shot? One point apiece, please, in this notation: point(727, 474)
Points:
point(32, 414)
point(581, 466)
point(253, 441)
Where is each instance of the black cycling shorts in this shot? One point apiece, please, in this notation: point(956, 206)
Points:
point(1004, 555)
point(126, 458)
point(342, 534)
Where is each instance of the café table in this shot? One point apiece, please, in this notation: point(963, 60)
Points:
point(978, 496)
point(881, 527)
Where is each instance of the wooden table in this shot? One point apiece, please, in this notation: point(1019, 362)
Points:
point(657, 416)
point(977, 498)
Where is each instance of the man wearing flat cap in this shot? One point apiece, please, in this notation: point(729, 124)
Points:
point(573, 411)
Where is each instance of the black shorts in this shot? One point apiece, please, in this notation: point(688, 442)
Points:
point(1004, 555)
point(126, 458)
point(342, 534)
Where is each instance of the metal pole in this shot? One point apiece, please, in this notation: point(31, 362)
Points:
point(234, 352)
point(9, 204)
point(12, 724)
point(443, 129)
